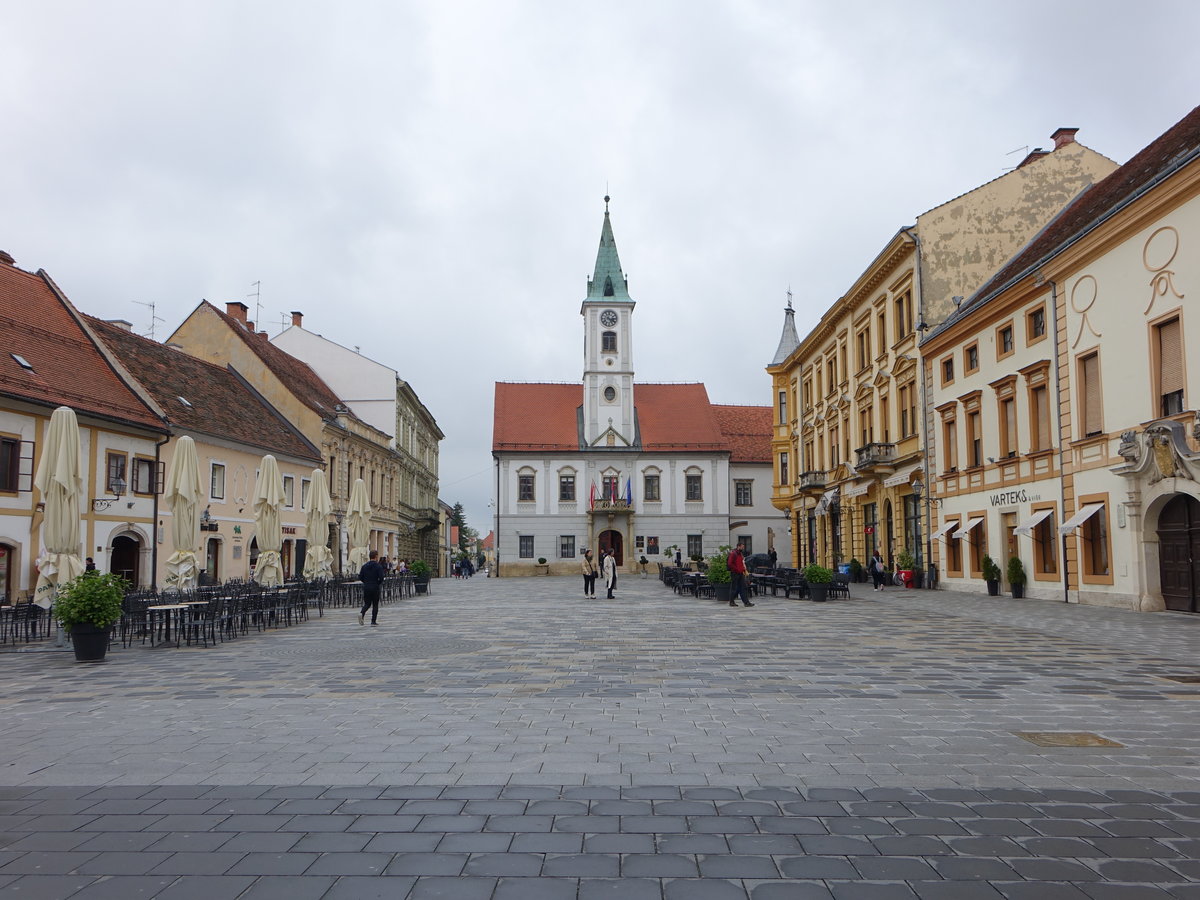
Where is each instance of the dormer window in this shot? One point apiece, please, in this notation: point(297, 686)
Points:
point(608, 287)
point(608, 341)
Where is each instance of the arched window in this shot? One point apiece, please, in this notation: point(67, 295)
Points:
point(608, 341)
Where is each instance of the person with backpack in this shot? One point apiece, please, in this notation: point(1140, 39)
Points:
point(878, 570)
point(739, 585)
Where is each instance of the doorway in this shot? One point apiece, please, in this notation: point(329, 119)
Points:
point(611, 540)
point(1179, 552)
point(126, 553)
point(212, 561)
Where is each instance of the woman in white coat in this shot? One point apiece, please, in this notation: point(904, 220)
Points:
point(608, 569)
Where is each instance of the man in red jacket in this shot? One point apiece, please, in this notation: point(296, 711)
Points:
point(737, 568)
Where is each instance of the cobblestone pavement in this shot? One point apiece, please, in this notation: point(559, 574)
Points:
point(506, 738)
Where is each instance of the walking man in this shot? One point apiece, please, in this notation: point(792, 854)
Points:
point(739, 586)
point(609, 569)
point(371, 576)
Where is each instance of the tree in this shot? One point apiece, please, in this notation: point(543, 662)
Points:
point(466, 534)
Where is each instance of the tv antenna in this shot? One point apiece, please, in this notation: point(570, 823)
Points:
point(257, 295)
point(154, 319)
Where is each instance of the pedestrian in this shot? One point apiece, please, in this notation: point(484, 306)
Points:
point(90, 566)
point(371, 576)
point(739, 585)
point(773, 557)
point(678, 558)
point(589, 576)
point(878, 570)
point(608, 567)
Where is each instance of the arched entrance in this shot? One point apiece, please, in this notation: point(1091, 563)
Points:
point(126, 554)
point(1179, 552)
point(612, 540)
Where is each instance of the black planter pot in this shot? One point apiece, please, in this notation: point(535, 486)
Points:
point(722, 591)
point(89, 642)
point(1018, 591)
point(993, 588)
point(421, 583)
point(818, 593)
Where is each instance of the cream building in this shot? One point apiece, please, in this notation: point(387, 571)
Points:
point(1066, 432)
point(850, 419)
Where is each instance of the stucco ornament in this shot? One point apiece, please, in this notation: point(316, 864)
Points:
point(1159, 252)
point(1129, 447)
point(1083, 298)
point(1160, 451)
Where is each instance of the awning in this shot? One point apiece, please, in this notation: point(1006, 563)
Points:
point(971, 523)
point(1033, 521)
point(1079, 518)
point(857, 490)
point(901, 477)
point(941, 532)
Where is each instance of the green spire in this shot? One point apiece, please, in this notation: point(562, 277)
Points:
point(608, 282)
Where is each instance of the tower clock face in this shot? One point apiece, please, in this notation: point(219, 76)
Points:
point(608, 318)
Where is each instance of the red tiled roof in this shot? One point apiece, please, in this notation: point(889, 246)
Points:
point(218, 401)
point(1090, 207)
point(671, 417)
point(296, 375)
point(68, 369)
point(748, 431)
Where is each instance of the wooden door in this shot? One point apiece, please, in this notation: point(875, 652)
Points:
point(1179, 553)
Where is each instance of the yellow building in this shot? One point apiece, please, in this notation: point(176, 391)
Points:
point(850, 404)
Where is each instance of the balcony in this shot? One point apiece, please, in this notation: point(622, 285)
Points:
point(812, 481)
point(873, 455)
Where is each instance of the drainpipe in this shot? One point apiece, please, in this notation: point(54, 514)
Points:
point(921, 326)
point(154, 532)
point(1039, 279)
point(496, 534)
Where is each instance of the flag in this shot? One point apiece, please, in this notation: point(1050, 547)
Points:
point(592, 497)
point(629, 491)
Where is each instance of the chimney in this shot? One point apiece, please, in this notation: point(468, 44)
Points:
point(1035, 154)
point(297, 319)
point(249, 326)
point(1063, 136)
point(236, 310)
point(264, 335)
point(6, 258)
point(120, 323)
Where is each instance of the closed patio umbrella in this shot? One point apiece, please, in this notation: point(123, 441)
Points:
point(268, 498)
point(318, 563)
point(358, 519)
point(59, 479)
point(182, 494)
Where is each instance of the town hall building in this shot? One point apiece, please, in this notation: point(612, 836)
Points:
point(643, 469)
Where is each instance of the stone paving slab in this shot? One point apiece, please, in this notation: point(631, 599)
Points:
point(506, 737)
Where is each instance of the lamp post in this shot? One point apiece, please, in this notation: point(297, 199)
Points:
point(918, 488)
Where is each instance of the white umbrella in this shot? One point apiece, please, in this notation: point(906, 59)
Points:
point(59, 480)
point(182, 493)
point(358, 518)
point(318, 561)
point(268, 498)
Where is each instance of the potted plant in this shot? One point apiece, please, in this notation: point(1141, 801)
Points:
point(420, 571)
point(88, 607)
point(857, 574)
point(991, 574)
point(819, 578)
point(543, 568)
point(719, 575)
point(906, 563)
point(1016, 577)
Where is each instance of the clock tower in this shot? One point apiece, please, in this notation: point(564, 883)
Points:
point(608, 409)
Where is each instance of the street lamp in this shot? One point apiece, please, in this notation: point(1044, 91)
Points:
point(116, 487)
point(917, 488)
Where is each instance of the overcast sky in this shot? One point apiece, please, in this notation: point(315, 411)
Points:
point(424, 180)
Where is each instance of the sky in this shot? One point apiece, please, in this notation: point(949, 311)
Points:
point(425, 180)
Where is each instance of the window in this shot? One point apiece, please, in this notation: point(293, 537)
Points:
point(871, 525)
point(865, 428)
point(650, 488)
point(1092, 419)
point(953, 551)
point(948, 370)
point(1004, 340)
point(743, 493)
point(289, 489)
point(971, 359)
point(525, 489)
point(525, 546)
point(885, 419)
point(747, 542)
point(1035, 325)
point(611, 485)
point(903, 315)
point(1008, 427)
point(608, 342)
point(694, 485)
point(566, 546)
point(1045, 547)
point(143, 475)
point(834, 447)
point(950, 442)
point(115, 481)
point(912, 524)
point(695, 545)
point(1169, 347)
point(1094, 555)
point(217, 482)
point(864, 347)
point(610, 394)
point(566, 488)
point(1039, 403)
point(831, 368)
point(974, 439)
point(10, 462)
point(305, 485)
point(782, 407)
point(908, 410)
point(882, 317)
point(783, 468)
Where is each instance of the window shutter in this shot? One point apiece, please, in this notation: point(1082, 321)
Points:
point(1092, 420)
point(1170, 358)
